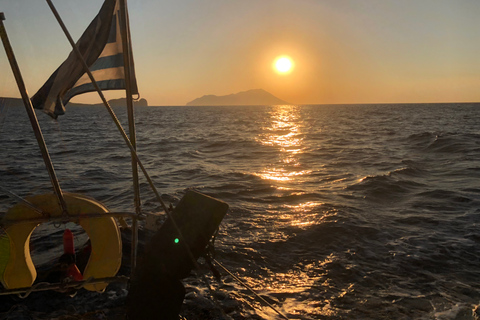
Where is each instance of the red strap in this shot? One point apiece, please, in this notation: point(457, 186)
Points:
point(68, 246)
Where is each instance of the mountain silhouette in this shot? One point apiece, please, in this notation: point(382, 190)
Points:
point(244, 98)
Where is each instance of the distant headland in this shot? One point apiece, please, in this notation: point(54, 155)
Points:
point(17, 102)
point(244, 98)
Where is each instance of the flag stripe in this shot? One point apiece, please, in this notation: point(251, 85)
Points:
point(108, 62)
point(100, 75)
point(111, 49)
point(104, 85)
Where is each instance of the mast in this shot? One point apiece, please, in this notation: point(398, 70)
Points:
point(127, 54)
point(32, 116)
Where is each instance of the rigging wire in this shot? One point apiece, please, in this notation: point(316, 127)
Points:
point(210, 257)
point(250, 289)
point(32, 206)
point(31, 114)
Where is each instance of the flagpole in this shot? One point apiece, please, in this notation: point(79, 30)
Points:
point(131, 121)
point(32, 116)
point(107, 105)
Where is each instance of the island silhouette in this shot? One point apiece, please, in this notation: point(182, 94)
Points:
point(244, 98)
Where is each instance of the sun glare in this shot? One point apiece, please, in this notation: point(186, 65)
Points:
point(283, 64)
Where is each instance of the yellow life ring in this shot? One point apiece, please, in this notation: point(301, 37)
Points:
point(106, 255)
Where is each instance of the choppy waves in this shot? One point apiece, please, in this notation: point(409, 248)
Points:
point(337, 212)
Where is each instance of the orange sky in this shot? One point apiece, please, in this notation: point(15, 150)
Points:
point(345, 51)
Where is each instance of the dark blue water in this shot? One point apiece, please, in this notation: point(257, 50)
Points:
point(336, 212)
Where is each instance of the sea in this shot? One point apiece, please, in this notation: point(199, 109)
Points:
point(336, 211)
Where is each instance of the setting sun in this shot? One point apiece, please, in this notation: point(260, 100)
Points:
point(283, 64)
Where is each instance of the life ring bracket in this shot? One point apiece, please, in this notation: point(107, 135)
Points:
point(5, 223)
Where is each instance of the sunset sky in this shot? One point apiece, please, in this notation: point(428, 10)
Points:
point(344, 51)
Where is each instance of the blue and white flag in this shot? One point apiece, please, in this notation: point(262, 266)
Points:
point(102, 50)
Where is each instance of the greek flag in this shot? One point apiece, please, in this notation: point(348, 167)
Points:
point(102, 50)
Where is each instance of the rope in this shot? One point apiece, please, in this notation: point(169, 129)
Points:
point(250, 289)
point(32, 289)
point(62, 287)
point(76, 285)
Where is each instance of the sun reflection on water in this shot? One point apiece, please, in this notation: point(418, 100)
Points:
point(284, 133)
point(280, 174)
point(286, 286)
point(303, 214)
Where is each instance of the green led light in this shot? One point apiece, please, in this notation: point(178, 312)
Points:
point(176, 240)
